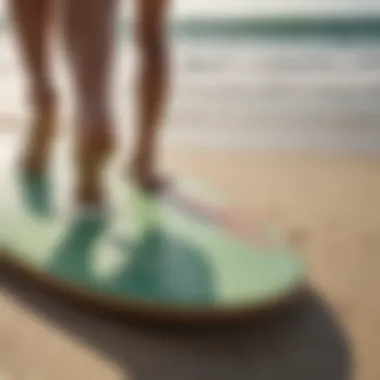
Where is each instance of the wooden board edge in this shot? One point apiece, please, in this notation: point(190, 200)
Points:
point(111, 306)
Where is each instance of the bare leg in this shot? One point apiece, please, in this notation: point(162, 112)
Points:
point(152, 88)
point(32, 20)
point(89, 33)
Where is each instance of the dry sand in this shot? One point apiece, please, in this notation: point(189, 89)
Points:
point(334, 199)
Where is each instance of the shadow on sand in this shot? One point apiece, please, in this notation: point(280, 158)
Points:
point(302, 342)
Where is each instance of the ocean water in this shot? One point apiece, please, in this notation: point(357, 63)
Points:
point(252, 83)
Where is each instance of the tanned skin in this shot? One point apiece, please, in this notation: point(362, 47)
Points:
point(88, 28)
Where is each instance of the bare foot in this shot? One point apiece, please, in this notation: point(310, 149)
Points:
point(90, 196)
point(145, 178)
point(151, 183)
point(37, 194)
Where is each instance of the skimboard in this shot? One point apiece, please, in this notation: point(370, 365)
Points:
point(186, 253)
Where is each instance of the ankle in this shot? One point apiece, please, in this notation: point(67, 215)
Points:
point(95, 140)
point(43, 98)
point(89, 194)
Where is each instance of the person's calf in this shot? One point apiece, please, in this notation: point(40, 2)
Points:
point(94, 146)
point(40, 138)
point(152, 94)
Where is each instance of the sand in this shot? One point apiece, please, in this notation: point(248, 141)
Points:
point(332, 199)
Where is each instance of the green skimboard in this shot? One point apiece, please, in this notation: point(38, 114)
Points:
point(178, 254)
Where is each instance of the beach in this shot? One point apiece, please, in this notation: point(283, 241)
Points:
point(287, 126)
point(332, 198)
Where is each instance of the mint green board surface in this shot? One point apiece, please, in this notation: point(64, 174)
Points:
point(170, 253)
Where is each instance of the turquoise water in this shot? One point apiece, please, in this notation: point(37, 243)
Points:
point(278, 28)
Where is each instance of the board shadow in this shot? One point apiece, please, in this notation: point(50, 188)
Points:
point(302, 342)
